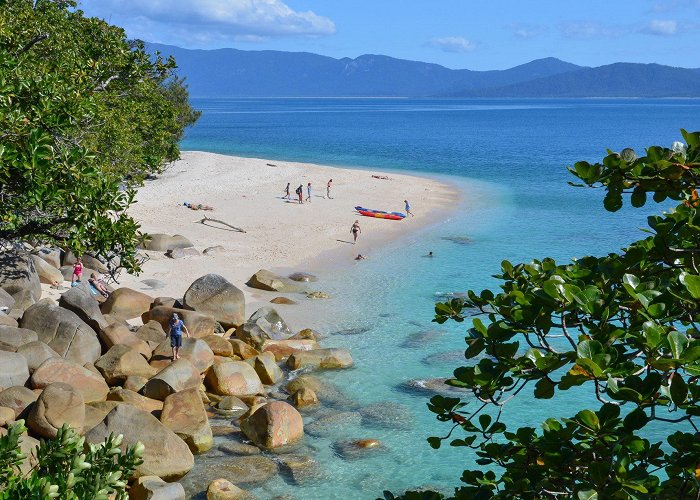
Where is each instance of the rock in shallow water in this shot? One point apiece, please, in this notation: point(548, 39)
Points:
point(387, 415)
point(301, 276)
point(300, 469)
point(354, 449)
point(420, 339)
point(432, 386)
point(249, 470)
point(328, 425)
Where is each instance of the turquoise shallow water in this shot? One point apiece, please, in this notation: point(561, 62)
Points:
point(511, 156)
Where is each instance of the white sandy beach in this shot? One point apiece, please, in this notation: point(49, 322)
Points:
point(280, 234)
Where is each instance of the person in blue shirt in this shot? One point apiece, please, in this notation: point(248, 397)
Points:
point(408, 208)
point(176, 326)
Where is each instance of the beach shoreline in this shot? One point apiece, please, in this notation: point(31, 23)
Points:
point(280, 235)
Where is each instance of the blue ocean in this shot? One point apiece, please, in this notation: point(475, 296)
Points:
point(510, 158)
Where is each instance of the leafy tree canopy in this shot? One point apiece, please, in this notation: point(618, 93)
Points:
point(65, 467)
point(85, 115)
point(622, 330)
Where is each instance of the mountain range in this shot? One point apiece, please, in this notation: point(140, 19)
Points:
point(224, 73)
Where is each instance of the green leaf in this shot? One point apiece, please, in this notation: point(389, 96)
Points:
point(587, 495)
point(589, 419)
point(679, 389)
point(639, 197)
point(692, 284)
point(677, 342)
point(635, 420)
point(588, 349)
point(544, 389)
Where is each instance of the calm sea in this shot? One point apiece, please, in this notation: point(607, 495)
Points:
point(511, 157)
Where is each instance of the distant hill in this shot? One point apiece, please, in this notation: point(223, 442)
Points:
point(613, 80)
point(240, 73)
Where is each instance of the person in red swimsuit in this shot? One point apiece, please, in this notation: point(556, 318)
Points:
point(77, 271)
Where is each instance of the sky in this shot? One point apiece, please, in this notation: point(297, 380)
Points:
point(471, 34)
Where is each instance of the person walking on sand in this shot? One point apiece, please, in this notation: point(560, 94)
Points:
point(176, 326)
point(355, 229)
point(77, 272)
point(308, 192)
point(286, 191)
point(408, 208)
point(328, 189)
point(300, 193)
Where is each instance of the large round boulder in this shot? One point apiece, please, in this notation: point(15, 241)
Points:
point(51, 256)
point(151, 331)
point(165, 454)
point(18, 398)
point(198, 324)
point(177, 376)
point(17, 273)
point(122, 361)
point(223, 489)
point(13, 369)
point(266, 367)
point(135, 399)
point(264, 324)
point(271, 282)
point(282, 349)
point(219, 345)
point(320, 359)
point(127, 303)
point(196, 351)
point(12, 338)
point(184, 414)
point(58, 404)
point(242, 350)
point(273, 425)
point(63, 331)
point(234, 378)
point(159, 242)
point(154, 488)
point(47, 273)
point(36, 353)
point(91, 385)
point(215, 296)
point(118, 334)
point(82, 302)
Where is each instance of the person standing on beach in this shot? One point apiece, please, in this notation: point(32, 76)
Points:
point(408, 208)
point(286, 191)
point(300, 193)
point(176, 326)
point(308, 192)
point(328, 188)
point(355, 229)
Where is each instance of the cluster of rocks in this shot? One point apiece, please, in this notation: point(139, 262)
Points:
point(81, 363)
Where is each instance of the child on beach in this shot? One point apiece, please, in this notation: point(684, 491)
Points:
point(300, 193)
point(355, 229)
point(328, 189)
point(308, 191)
point(77, 272)
point(176, 326)
point(286, 191)
point(408, 208)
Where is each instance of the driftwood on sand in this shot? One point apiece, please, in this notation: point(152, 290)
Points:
point(207, 221)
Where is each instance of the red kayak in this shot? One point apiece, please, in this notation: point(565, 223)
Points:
point(381, 215)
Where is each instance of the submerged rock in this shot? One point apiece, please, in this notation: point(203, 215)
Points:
point(458, 240)
point(387, 415)
point(301, 276)
point(432, 386)
point(249, 470)
point(331, 424)
point(354, 449)
point(300, 469)
point(419, 339)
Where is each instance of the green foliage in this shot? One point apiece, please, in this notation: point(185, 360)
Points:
point(85, 115)
point(621, 330)
point(66, 468)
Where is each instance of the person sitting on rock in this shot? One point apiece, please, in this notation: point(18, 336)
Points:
point(176, 326)
point(98, 285)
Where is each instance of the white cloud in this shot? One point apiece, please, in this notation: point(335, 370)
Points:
point(661, 27)
point(453, 44)
point(198, 20)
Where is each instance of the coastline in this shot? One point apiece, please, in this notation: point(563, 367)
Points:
point(281, 236)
